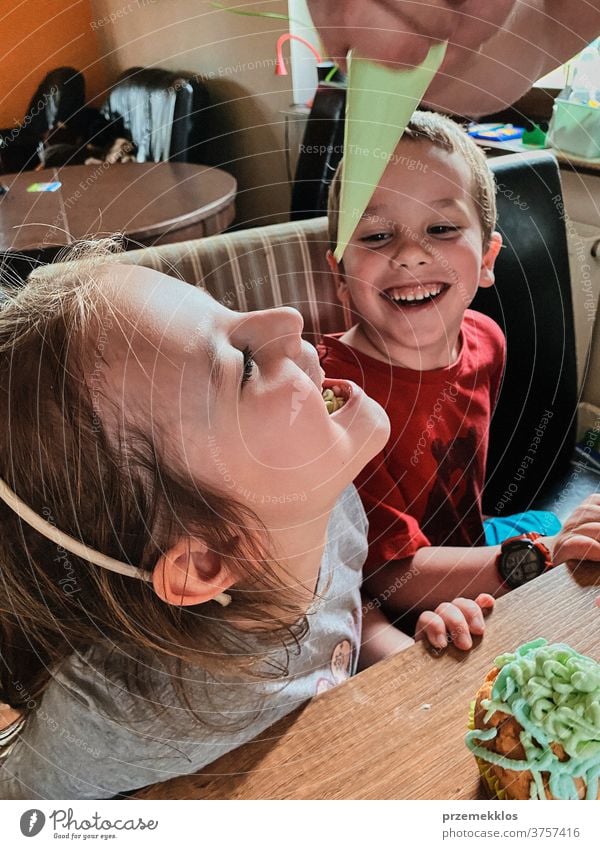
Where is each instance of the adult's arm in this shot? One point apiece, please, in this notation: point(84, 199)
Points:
point(537, 37)
point(496, 50)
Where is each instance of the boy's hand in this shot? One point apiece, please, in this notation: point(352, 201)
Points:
point(456, 621)
point(579, 538)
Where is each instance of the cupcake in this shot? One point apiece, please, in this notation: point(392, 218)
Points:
point(535, 724)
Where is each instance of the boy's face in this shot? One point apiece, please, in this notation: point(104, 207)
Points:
point(416, 258)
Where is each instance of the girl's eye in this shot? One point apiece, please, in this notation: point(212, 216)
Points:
point(443, 230)
point(248, 367)
point(374, 238)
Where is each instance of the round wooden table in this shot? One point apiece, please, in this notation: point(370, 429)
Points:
point(149, 203)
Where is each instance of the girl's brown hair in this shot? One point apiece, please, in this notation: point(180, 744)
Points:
point(117, 496)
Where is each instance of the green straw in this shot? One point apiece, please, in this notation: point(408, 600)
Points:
point(276, 15)
point(331, 74)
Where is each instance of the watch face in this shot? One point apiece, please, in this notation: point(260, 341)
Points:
point(521, 563)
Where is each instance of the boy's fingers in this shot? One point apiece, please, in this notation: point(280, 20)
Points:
point(432, 627)
point(460, 619)
point(455, 623)
point(576, 547)
point(472, 613)
point(592, 500)
point(486, 602)
point(589, 526)
point(588, 511)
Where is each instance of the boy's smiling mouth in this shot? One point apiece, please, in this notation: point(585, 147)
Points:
point(417, 295)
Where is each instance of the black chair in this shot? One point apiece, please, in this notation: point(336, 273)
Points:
point(320, 154)
point(160, 111)
point(533, 431)
point(59, 99)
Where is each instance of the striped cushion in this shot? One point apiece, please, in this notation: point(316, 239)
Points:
point(259, 268)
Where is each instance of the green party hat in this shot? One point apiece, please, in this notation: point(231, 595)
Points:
point(379, 105)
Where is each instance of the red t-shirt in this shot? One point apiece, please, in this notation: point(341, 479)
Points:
point(425, 487)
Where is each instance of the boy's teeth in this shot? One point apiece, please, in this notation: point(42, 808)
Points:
point(416, 294)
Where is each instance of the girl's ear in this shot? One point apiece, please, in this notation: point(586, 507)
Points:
point(189, 573)
point(486, 275)
point(340, 281)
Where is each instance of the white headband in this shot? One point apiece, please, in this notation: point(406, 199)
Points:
point(74, 546)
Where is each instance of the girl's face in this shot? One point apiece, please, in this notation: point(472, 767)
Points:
point(232, 398)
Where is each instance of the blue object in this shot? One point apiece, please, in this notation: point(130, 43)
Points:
point(504, 132)
point(44, 187)
point(499, 528)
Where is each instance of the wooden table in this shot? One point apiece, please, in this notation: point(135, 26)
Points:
point(150, 203)
point(396, 731)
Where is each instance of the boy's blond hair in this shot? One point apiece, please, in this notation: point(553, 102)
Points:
point(447, 134)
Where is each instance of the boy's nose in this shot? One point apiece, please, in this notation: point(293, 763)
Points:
point(411, 255)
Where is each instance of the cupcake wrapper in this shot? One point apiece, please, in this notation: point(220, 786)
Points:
point(488, 778)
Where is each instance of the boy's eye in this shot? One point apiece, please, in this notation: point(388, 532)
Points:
point(248, 367)
point(373, 238)
point(443, 230)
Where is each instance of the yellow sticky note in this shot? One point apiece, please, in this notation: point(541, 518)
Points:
point(379, 104)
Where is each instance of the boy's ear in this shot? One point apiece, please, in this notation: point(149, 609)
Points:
point(189, 573)
point(340, 281)
point(486, 276)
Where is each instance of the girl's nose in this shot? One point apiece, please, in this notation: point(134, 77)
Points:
point(275, 331)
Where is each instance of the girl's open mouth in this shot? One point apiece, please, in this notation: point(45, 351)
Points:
point(413, 297)
point(335, 394)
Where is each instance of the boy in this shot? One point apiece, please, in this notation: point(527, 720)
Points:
point(420, 251)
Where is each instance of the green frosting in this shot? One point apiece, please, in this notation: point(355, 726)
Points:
point(554, 694)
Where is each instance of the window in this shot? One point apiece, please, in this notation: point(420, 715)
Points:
point(582, 71)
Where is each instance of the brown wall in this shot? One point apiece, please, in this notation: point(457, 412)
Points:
point(38, 35)
point(235, 57)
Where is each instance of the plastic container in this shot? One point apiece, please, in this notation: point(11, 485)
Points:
point(575, 128)
point(584, 74)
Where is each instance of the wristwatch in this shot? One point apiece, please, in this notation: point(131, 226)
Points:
point(522, 559)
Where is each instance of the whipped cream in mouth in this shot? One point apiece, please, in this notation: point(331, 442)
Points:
point(419, 295)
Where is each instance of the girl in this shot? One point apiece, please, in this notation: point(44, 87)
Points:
point(180, 546)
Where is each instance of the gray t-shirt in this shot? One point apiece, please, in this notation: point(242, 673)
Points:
point(92, 737)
